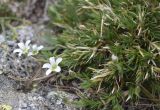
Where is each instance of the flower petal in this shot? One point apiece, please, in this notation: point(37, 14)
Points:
point(46, 65)
point(17, 51)
point(40, 47)
point(27, 47)
point(19, 54)
point(34, 47)
point(27, 42)
point(52, 60)
point(114, 57)
point(58, 60)
point(58, 69)
point(48, 71)
point(21, 45)
point(30, 53)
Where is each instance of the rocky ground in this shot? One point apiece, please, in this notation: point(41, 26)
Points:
point(33, 100)
point(12, 93)
point(15, 71)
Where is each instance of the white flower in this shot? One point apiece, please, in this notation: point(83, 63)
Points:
point(23, 48)
point(53, 65)
point(35, 50)
point(114, 57)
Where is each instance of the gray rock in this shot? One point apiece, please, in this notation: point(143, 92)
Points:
point(39, 99)
point(2, 38)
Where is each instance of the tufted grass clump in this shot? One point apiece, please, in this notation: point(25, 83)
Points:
point(95, 30)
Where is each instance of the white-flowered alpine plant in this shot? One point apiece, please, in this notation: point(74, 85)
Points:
point(27, 49)
point(23, 48)
point(35, 50)
point(53, 65)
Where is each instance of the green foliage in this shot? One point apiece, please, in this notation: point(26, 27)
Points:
point(5, 11)
point(94, 30)
point(6, 16)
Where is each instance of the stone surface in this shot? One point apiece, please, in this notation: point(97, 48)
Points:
point(31, 100)
point(11, 93)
